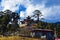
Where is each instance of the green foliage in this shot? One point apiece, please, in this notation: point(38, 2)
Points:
point(5, 18)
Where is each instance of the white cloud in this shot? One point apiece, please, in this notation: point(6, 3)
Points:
point(22, 14)
point(49, 13)
point(31, 7)
point(10, 4)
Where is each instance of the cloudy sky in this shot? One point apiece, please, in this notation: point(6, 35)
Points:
point(50, 9)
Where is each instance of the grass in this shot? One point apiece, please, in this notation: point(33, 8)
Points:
point(17, 38)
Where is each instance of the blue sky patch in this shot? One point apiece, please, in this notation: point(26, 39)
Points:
point(21, 8)
point(0, 0)
point(52, 3)
point(36, 1)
